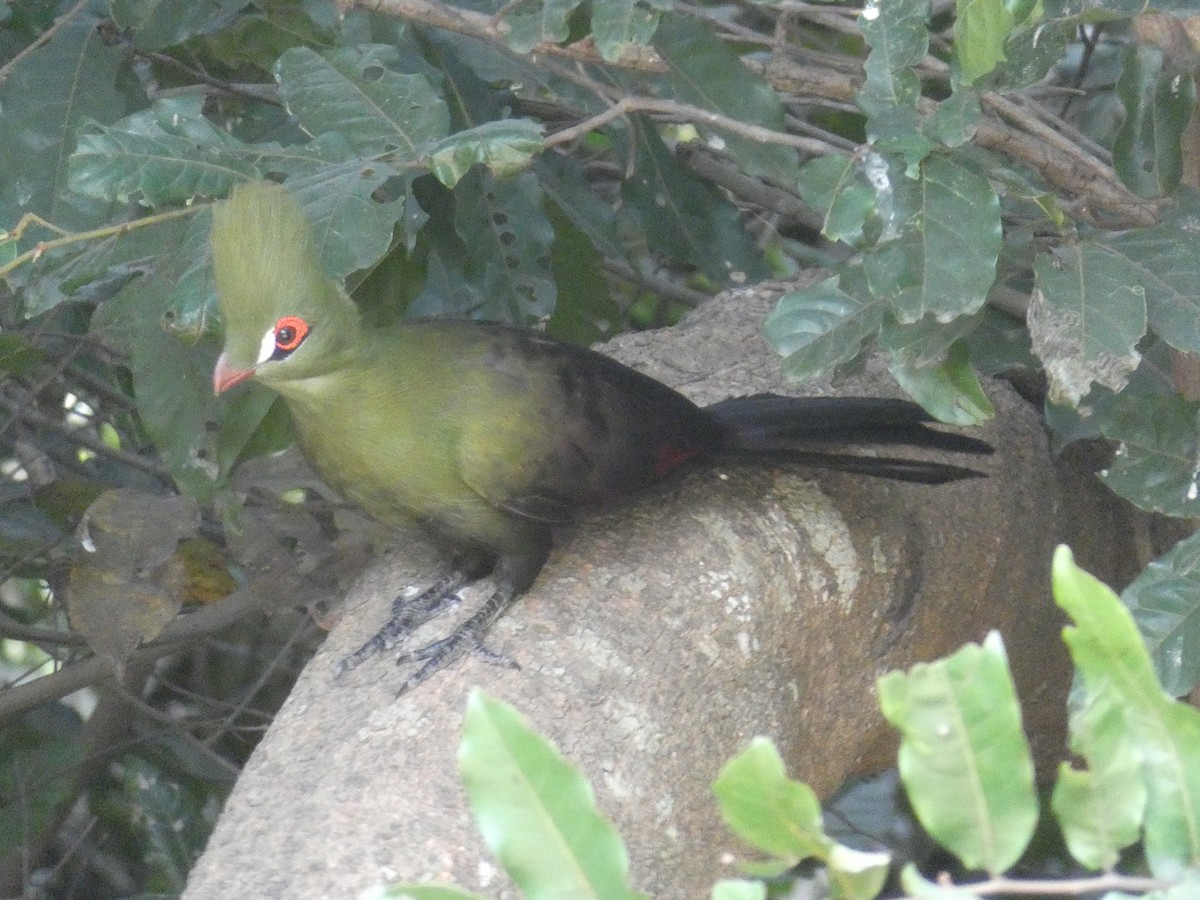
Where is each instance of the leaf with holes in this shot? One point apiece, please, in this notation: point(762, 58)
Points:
point(1086, 317)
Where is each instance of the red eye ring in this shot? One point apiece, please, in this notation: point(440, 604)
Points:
point(290, 332)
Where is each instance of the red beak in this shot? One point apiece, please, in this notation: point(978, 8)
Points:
point(225, 377)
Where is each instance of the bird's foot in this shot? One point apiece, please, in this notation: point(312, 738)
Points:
point(409, 614)
point(466, 639)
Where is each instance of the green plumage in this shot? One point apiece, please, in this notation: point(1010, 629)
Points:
point(487, 435)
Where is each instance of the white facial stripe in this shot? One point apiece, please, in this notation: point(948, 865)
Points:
point(267, 347)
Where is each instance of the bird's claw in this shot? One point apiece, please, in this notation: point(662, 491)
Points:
point(407, 616)
point(439, 654)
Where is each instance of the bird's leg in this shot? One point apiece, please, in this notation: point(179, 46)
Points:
point(410, 614)
point(467, 638)
point(514, 573)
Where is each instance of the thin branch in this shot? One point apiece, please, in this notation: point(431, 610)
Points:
point(79, 236)
point(627, 105)
point(181, 633)
point(42, 39)
point(77, 436)
point(1065, 887)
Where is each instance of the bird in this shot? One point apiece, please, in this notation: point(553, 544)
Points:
point(492, 436)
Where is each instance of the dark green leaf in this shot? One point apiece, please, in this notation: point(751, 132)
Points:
point(820, 327)
point(942, 261)
point(353, 228)
point(546, 22)
point(1165, 602)
point(1031, 51)
point(173, 388)
point(899, 38)
point(1164, 263)
point(835, 187)
point(168, 153)
point(39, 755)
point(536, 811)
point(353, 92)
point(951, 391)
point(1158, 446)
point(1147, 152)
point(506, 273)
point(155, 24)
point(954, 121)
point(1085, 320)
point(685, 217)
point(963, 756)
point(44, 101)
point(705, 72)
point(505, 147)
point(622, 25)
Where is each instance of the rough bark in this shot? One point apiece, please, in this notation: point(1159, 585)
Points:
point(664, 636)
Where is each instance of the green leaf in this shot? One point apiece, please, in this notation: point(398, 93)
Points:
point(951, 391)
point(39, 752)
point(767, 809)
point(1116, 670)
point(505, 147)
point(898, 34)
point(943, 260)
point(546, 23)
point(76, 77)
point(705, 72)
point(783, 817)
point(353, 229)
point(168, 153)
point(954, 121)
point(833, 185)
point(980, 31)
point(685, 217)
point(1085, 320)
point(622, 25)
point(1148, 151)
point(963, 757)
point(1030, 52)
point(1165, 602)
point(1164, 262)
point(821, 327)
point(173, 388)
point(1100, 808)
point(537, 813)
point(353, 92)
point(1156, 462)
point(158, 24)
point(496, 263)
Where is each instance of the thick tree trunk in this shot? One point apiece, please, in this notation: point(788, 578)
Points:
point(664, 636)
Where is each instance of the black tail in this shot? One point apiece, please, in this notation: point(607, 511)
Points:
point(768, 426)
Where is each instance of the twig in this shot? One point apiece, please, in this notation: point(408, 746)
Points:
point(80, 236)
point(1067, 887)
point(177, 636)
point(42, 39)
point(32, 417)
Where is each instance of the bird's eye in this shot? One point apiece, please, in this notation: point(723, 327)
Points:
point(290, 332)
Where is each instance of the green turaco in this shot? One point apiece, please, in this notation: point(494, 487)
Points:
point(489, 436)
